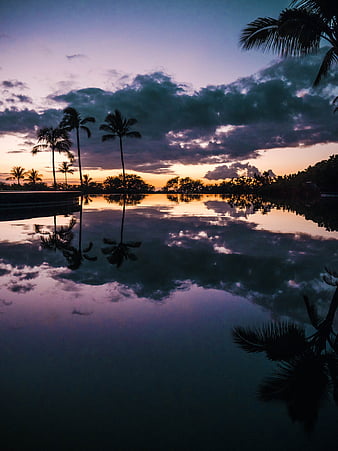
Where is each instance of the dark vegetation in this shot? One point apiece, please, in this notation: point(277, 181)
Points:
point(306, 370)
point(307, 184)
point(304, 185)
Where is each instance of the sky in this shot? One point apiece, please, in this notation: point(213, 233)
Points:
point(205, 108)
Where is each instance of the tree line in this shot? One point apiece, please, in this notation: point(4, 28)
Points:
point(316, 179)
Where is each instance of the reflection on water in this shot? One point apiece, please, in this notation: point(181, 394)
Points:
point(120, 251)
point(117, 319)
point(308, 364)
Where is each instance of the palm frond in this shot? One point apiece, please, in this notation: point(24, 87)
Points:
point(280, 341)
point(302, 384)
point(131, 121)
point(106, 128)
point(330, 58)
point(108, 137)
point(134, 243)
point(39, 148)
point(86, 129)
point(296, 32)
point(260, 33)
point(328, 9)
point(89, 247)
point(134, 135)
point(109, 241)
point(312, 312)
point(88, 119)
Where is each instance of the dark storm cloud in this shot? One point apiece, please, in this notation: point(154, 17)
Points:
point(275, 108)
point(14, 120)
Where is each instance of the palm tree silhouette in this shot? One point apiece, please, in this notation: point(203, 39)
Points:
point(76, 255)
point(119, 251)
point(66, 168)
point(55, 139)
point(17, 173)
point(72, 121)
point(87, 181)
point(297, 31)
point(119, 127)
point(307, 366)
point(33, 176)
point(61, 239)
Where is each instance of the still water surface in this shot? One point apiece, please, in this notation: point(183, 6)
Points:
point(116, 325)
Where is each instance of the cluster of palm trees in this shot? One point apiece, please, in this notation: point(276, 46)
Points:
point(58, 139)
point(33, 176)
point(19, 173)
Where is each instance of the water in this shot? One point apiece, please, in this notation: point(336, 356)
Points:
point(131, 349)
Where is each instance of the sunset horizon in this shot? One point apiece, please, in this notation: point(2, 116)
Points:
point(212, 113)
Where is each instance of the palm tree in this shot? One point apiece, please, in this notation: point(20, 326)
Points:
point(87, 180)
point(66, 168)
point(72, 121)
point(55, 139)
point(33, 176)
point(17, 173)
point(298, 31)
point(118, 126)
point(119, 251)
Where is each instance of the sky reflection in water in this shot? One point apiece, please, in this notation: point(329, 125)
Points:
point(146, 345)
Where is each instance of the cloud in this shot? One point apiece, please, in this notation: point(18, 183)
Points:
point(14, 120)
point(19, 98)
point(76, 56)
point(7, 84)
point(274, 108)
point(189, 247)
point(232, 170)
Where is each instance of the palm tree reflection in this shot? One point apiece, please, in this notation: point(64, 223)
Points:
point(61, 238)
point(307, 368)
point(183, 197)
point(125, 199)
point(120, 251)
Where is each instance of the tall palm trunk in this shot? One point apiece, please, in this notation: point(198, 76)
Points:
point(53, 163)
point(66, 179)
point(123, 216)
point(122, 161)
point(79, 155)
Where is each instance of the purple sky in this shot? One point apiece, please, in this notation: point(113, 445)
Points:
point(204, 107)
